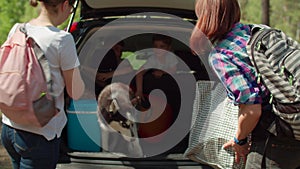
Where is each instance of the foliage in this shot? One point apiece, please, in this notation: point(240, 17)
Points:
point(14, 11)
point(251, 11)
point(284, 15)
point(10, 12)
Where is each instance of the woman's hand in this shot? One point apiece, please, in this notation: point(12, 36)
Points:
point(240, 151)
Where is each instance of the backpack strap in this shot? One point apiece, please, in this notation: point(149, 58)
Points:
point(263, 162)
point(42, 60)
point(23, 29)
point(256, 27)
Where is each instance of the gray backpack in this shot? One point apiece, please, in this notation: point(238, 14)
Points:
point(276, 58)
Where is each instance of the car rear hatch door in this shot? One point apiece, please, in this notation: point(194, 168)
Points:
point(103, 8)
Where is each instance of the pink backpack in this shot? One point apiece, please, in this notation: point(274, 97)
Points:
point(25, 81)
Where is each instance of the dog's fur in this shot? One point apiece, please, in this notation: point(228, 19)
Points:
point(116, 117)
point(116, 104)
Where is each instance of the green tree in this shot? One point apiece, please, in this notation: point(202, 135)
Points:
point(11, 12)
point(14, 11)
point(251, 11)
point(265, 7)
point(284, 14)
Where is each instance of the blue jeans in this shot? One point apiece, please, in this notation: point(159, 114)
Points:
point(28, 150)
point(280, 154)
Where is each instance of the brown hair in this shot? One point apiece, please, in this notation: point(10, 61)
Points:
point(164, 38)
point(34, 3)
point(216, 17)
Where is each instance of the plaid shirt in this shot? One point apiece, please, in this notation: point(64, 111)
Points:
point(232, 65)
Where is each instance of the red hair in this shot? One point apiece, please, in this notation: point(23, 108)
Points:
point(215, 19)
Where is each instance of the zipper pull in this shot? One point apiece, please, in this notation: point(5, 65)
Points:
point(43, 94)
point(282, 70)
point(271, 99)
point(258, 78)
point(257, 46)
point(291, 79)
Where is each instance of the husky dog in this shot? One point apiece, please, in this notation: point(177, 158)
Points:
point(117, 117)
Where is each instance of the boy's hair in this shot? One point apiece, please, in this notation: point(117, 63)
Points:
point(164, 38)
point(121, 43)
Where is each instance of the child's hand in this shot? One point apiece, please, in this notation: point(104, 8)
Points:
point(103, 76)
point(139, 95)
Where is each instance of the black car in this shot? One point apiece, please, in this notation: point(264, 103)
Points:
point(104, 23)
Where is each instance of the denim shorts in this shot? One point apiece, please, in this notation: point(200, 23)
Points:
point(280, 154)
point(28, 150)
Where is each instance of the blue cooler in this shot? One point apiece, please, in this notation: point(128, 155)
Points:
point(83, 129)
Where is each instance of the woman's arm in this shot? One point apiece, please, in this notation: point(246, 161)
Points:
point(74, 83)
point(249, 115)
point(240, 80)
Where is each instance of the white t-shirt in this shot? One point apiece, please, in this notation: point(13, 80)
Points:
point(59, 49)
point(170, 60)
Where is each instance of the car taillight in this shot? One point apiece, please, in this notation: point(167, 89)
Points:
point(73, 27)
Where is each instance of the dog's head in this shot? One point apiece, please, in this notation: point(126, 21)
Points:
point(116, 105)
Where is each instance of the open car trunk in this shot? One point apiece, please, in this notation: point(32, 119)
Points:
point(94, 36)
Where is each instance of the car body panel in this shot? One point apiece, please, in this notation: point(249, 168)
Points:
point(175, 4)
point(107, 160)
point(100, 9)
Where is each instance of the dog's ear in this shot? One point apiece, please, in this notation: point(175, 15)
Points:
point(114, 106)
